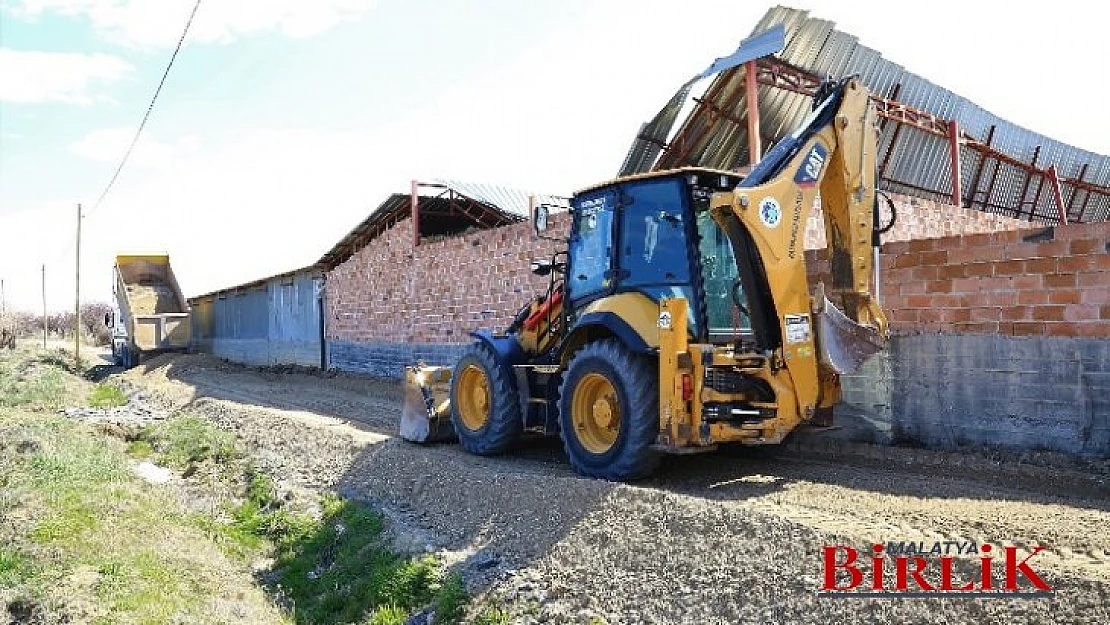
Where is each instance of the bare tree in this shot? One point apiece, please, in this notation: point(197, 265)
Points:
point(92, 320)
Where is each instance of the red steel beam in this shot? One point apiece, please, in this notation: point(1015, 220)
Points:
point(690, 143)
point(776, 73)
point(752, 87)
point(1055, 180)
point(893, 137)
point(974, 191)
point(897, 89)
point(954, 155)
point(680, 147)
point(415, 207)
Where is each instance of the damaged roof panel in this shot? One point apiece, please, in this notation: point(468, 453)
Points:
point(714, 133)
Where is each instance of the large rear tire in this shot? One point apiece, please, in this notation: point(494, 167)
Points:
point(609, 412)
point(485, 410)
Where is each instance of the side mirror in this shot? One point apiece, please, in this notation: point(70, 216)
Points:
point(108, 319)
point(539, 219)
point(541, 267)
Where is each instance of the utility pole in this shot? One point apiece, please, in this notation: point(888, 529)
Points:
point(44, 307)
point(77, 300)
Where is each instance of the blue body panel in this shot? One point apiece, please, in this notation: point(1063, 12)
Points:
point(505, 348)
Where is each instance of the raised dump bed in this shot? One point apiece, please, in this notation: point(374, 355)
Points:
point(151, 313)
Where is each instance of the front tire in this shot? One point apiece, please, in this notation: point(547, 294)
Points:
point(485, 410)
point(609, 412)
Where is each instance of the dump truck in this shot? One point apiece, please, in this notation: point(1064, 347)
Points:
point(680, 316)
point(150, 315)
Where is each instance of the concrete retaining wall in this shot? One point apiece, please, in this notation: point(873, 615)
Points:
point(263, 352)
point(946, 391)
point(387, 359)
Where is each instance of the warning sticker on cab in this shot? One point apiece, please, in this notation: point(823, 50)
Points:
point(797, 329)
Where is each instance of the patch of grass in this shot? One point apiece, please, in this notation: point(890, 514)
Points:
point(42, 389)
point(80, 528)
point(35, 380)
point(106, 395)
point(388, 615)
point(261, 516)
point(341, 572)
point(85, 516)
point(185, 440)
point(15, 568)
point(140, 449)
point(451, 599)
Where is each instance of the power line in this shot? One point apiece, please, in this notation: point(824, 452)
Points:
point(139, 131)
point(149, 108)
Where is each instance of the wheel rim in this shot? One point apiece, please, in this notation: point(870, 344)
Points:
point(473, 397)
point(596, 413)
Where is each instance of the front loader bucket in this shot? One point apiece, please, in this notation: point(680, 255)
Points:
point(426, 412)
point(843, 344)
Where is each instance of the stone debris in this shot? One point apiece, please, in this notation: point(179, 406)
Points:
point(138, 411)
point(152, 472)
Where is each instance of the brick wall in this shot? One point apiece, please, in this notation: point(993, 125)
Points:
point(1032, 282)
point(922, 219)
point(438, 291)
point(441, 290)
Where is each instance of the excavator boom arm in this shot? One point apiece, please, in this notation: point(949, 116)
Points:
point(765, 218)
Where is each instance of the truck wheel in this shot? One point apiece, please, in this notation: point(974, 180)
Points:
point(609, 412)
point(130, 357)
point(485, 409)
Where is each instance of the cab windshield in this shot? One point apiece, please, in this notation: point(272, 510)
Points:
point(726, 320)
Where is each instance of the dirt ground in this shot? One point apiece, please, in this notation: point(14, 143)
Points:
point(727, 537)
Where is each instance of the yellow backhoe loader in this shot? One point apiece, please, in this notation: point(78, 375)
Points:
point(680, 316)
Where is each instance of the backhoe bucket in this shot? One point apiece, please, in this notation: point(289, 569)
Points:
point(843, 344)
point(426, 412)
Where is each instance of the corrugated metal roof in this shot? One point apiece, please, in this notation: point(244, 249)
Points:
point(311, 269)
point(509, 201)
point(502, 206)
point(919, 163)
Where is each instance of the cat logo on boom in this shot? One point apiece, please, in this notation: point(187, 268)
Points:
point(810, 171)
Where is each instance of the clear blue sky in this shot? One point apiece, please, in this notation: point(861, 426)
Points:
point(285, 121)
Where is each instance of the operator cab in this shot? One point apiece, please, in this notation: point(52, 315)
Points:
point(653, 234)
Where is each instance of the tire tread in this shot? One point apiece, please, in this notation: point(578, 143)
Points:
point(637, 459)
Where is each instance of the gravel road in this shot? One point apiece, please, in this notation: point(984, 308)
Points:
point(717, 538)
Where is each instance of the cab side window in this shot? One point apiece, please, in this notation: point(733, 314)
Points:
point(653, 234)
point(591, 245)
